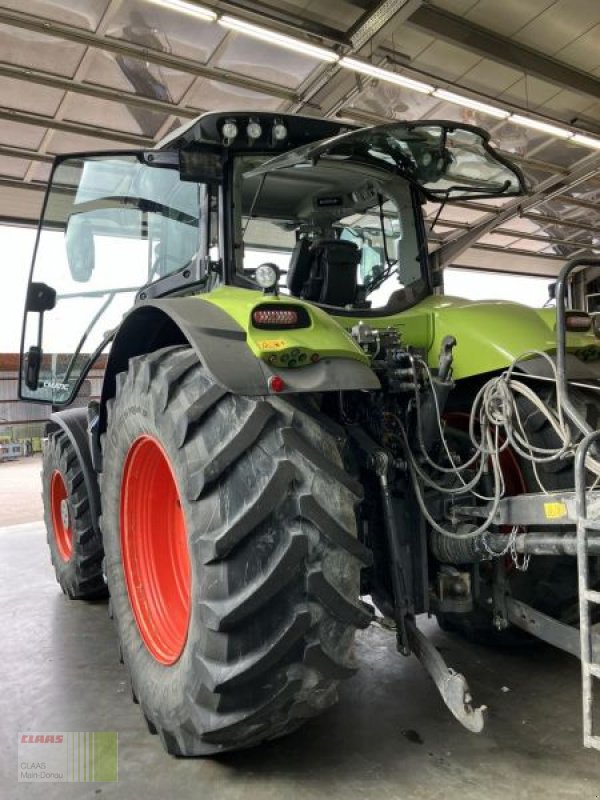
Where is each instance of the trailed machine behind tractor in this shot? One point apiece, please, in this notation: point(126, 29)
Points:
point(294, 420)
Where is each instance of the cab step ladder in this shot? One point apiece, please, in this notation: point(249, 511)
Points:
point(590, 669)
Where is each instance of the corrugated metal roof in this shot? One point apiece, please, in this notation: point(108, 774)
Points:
point(103, 73)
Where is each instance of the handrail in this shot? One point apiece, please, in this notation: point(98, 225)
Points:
point(561, 337)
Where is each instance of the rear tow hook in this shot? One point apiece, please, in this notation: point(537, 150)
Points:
point(451, 685)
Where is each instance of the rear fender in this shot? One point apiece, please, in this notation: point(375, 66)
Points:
point(221, 346)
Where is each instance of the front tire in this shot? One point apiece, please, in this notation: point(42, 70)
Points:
point(75, 544)
point(247, 503)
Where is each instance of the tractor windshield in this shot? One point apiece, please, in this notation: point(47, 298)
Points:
point(112, 223)
point(342, 234)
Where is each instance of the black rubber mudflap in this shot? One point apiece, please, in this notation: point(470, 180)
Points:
point(271, 524)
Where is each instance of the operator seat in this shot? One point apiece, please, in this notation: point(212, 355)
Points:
point(299, 268)
point(324, 272)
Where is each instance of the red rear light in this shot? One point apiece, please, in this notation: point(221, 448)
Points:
point(275, 316)
point(280, 315)
point(276, 383)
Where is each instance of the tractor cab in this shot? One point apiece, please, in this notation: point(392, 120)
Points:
point(342, 217)
point(337, 211)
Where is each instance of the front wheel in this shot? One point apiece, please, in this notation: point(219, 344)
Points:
point(231, 554)
point(75, 543)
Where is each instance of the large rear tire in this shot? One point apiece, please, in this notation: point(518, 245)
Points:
point(75, 544)
point(231, 554)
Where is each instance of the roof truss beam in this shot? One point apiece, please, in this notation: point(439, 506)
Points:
point(92, 90)
point(503, 50)
point(516, 235)
point(29, 22)
point(330, 87)
point(83, 129)
point(21, 152)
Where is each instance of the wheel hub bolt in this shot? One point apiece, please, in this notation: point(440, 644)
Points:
point(64, 512)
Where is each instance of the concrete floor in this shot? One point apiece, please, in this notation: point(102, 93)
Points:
point(390, 737)
point(21, 491)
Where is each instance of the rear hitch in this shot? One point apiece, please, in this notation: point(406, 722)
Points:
point(451, 685)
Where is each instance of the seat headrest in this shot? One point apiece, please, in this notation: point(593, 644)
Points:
point(299, 268)
point(333, 278)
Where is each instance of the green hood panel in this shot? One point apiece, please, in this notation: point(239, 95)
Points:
point(490, 334)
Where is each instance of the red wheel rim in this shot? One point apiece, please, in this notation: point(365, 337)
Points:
point(154, 549)
point(514, 480)
point(61, 516)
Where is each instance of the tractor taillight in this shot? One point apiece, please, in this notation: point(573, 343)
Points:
point(276, 384)
point(276, 317)
point(280, 315)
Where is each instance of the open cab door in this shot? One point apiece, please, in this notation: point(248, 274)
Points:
point(112, 224)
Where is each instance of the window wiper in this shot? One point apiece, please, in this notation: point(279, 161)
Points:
point(444, 194)
point(445, 197)
point(438, 213)
point(138, 203)
point(257, 194)
point(86, 333)
point(390, 264)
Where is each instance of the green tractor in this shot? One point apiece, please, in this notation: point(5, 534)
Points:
point(296, 430)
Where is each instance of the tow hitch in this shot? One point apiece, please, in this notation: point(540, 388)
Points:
point(451, 685)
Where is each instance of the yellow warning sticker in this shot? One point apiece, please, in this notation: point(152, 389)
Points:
point(555, 510)
point(272, 344)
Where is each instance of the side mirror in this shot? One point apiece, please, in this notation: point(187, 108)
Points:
point(40, 298)
point(79, 245)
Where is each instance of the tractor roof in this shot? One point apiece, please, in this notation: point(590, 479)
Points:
point(208, 129)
